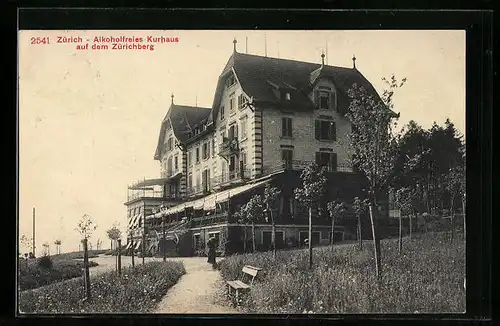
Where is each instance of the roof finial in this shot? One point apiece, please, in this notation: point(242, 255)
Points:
point(322, 58)
point(354, 61)
point(234, 44)
point(172, 96)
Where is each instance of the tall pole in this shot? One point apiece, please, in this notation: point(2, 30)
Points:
point(143, 238)
point(163, 242)
point(33, 244)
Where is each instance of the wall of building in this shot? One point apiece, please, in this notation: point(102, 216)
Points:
point(303, 135)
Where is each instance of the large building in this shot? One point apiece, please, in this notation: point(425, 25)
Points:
point(269, 118)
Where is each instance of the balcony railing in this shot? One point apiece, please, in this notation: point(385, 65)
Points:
point(230, 177)
point(229, 146)
point(151, 194)
point(300, 165)
point(207, 220)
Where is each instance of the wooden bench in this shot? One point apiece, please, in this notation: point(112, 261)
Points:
point(243, 285)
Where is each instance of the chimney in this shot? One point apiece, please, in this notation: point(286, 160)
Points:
point(354, 61)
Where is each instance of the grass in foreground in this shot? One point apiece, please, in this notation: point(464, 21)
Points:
point(428, 277)
point(33, 276)
point(137, 291)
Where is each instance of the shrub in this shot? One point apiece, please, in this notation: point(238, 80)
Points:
point(32, 276)
point(45, 262)
point(427, 278)
point(137, 290)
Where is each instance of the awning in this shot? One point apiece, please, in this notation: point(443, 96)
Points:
point(133, 222)
point(137, 245)
point(128, 245)
point(209, 202)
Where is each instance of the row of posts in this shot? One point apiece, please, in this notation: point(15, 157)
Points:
point(119, 255)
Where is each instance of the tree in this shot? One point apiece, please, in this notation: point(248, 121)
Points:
point(374, 145)
point(85, 227)
point(456, 187)
point(271, 195)
point(310, 194)
point(403, 200)
point(336, 211)
point(26, 242)
point(46, 249)
point(241, 218)
point(359, 207)
point(254, 210)
point(58, 246)
point(114, 234)
point(98, 244)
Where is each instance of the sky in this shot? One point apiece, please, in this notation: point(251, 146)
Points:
point(89, 119)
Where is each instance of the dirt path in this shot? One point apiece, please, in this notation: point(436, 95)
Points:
point(198, 291)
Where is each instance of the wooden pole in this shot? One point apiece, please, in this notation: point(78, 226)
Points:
point(119, 257)
point(33, 244)
point(143, 239)
point(310, 239)
point(164, 238)
point(132, 247)
point(86, 267)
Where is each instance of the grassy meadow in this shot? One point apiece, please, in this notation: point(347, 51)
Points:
point(427, 277)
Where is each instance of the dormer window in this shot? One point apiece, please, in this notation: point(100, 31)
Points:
point(325, 98)
point(231, 80)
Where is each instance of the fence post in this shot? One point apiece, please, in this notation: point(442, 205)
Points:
point(119, 257)
point(86, 267)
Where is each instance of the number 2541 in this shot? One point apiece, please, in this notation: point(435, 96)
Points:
point(40, 40)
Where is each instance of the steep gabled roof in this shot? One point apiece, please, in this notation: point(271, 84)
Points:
point(256, 75)
point(183, 119)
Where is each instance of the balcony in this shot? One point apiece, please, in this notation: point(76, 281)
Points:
point(300, 165)
point(198, 189)
point(208, 220)
point(230, 178)
point(229, 146)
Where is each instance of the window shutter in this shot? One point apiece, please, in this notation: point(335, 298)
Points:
point(290, 127)
point(317, 129)
point(333, 131)
point(283, 127)
point(316, 98)
point(236, 130)
point(333, 161)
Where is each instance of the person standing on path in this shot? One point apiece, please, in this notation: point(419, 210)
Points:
point(212, 243)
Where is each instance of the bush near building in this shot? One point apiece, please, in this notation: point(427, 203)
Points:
point(428, 277)
point(35, 273)
point(137, 290)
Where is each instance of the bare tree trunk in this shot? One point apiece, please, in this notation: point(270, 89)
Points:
point(86, 268)
point(119, 257)
point(132, 248)
point(400, 241)
point(310, 239)
point(358, 227)
point(452, 220)
point(376, 241)
point(164, 237)
point(253, 236)
point(273, 234)
point(245, 239)
point(410, 218)
point(333, 233)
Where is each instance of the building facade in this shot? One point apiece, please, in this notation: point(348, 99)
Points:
point(270, 118)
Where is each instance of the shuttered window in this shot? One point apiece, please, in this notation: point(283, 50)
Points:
point(325, 130)
point(327, 159)
point(286, 127)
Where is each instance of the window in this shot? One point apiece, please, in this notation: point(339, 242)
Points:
point(287, 96)
point(213, 146)
point(241, 101)
point(169, 166)
point(325, 98)
point(231, 80)
point(205, 151)
point(190, 181)
point(233, 132)
point(243, 159)
point(286, 127)
point(189, 158)
point(197, 155)
point(327, 159)
point(267, 239)
point(170, 144)
point(244, 128)
point(176, 163)
point(231, 104)
point(205, 179)
point(286, 157)
point(325, 130)
point(222, 112)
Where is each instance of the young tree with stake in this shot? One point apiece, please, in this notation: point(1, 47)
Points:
point(254, 210)
point(336, 211)
point(271, 195)
point(359, 207)
point(86, 226)
point(374, 145)
point(310, 194)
